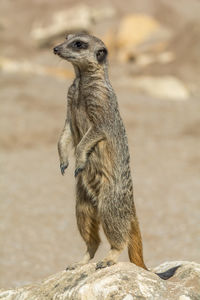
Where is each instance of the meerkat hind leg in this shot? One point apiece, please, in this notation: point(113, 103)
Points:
point(88, 225)
point(115, 229)
point(92, 245)
point(86, 258)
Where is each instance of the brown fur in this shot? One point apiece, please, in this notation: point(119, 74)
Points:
point(104, 192)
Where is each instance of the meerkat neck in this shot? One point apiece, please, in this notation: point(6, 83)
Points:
point(77, 71)
point(91, 70)
point(94, 72)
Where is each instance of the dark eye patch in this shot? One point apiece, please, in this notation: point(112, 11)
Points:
point(101, 55)
point(78, 44)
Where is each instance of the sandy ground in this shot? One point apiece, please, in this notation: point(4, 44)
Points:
point(37, 223)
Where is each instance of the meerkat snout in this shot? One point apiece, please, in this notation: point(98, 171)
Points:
point(55, 50)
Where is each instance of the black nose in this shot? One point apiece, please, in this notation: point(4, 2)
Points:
point(55, 50)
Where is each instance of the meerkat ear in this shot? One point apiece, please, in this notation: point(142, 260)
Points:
point(101, 54)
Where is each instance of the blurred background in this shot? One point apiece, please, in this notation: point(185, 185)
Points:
point(154, 49)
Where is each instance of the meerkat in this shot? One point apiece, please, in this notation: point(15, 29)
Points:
point(94, 128)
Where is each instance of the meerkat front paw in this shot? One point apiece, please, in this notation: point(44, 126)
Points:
point(80, 166)
point(78, 170)
point(63, 167)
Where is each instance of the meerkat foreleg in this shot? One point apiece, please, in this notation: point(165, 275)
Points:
point(89, 140)
point(63, 147)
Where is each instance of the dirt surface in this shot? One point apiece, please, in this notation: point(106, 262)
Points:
point(37, 221)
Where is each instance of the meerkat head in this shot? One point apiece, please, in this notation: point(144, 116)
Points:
point(82, 50)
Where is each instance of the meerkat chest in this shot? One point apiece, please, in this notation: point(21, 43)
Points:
point(78, 110)
point(80, 115)
point(73, 93)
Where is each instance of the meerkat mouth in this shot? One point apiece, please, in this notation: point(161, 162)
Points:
point(66, 57)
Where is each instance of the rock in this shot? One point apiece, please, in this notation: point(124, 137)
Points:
point(122, 281)
point(138, 34)
point(165, 87)
point(78, 18)
point(134, 29)
point(161, 58)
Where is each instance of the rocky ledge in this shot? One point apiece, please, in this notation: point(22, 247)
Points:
point(122, 281)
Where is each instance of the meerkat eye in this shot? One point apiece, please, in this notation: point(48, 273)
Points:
point(79, 45)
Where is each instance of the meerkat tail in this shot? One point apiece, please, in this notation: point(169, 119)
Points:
point(135, 250)
point(136, 253)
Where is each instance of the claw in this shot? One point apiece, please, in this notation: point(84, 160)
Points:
point(104, 264)
point(69, 268)
point(74, 266)
point(63, 167)
point(77, 171)
point(99, 265)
